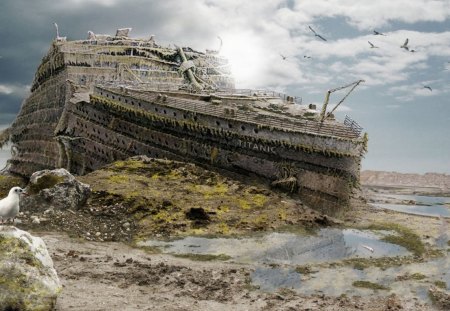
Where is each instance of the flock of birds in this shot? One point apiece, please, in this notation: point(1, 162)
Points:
point(372, 46)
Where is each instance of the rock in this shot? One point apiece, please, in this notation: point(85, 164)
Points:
point(28, 280)
point(57, 188)
point(126, 225)
point(439, 297)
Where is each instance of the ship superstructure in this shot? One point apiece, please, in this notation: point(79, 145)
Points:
point(106, 98)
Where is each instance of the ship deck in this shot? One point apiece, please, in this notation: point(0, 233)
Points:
point(253, 115)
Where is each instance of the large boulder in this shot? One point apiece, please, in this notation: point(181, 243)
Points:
point(56, 188)
point(28, 280)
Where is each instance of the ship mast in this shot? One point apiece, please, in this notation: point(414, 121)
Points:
point(323, 113)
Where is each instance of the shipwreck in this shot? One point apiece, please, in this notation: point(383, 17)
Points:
point(107, 98)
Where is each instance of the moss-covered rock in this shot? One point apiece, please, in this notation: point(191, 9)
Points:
point(28, 281)
point(57, 188)
point(173, 198)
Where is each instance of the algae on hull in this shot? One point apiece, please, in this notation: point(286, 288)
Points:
point(110, 98)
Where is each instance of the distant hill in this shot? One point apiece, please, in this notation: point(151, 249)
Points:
point(380, 178)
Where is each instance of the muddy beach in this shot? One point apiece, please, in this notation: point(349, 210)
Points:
point(220, 244)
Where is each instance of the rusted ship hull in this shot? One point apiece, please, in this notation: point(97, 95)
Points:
point(74, 120)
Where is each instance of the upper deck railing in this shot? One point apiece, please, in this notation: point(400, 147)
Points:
point(282, 122)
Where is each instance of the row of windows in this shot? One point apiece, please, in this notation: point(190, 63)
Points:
point(164, 111)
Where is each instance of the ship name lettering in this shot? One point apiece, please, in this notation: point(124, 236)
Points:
point(255, 146)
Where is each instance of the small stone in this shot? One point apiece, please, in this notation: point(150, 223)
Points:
point(97, 233)
point(126, 225)
point(36, 221)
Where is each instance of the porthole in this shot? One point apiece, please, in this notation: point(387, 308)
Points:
point(217, 123)
point(256, 130)
point(242, 127)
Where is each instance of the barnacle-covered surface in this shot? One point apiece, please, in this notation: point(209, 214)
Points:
point(107, 98)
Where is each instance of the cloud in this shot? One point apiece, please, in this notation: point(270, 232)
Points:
point(14, 90)
point(375, 14)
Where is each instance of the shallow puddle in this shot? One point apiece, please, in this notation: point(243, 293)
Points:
point(275, 256)
point(287, 248)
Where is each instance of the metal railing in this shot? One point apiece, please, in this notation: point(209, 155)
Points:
point(353, 125)
point(289, 123)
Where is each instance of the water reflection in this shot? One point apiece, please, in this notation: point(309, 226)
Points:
point(287, 248)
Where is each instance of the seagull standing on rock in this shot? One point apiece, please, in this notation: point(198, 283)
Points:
point(9, 206)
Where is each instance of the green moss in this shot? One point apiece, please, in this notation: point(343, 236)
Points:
point(129, 165)
point(115, 108)
point(259, 200)
point(223, 228)
point(406, 237)
point(440, 284)
point(415, 276)
point(306, 269)
point(370, 285)
point(7, 182)
point(383, 263)
point(45, 182)
point(244, 204)
point(20, 249)
point(203, 257)
point(19, 292)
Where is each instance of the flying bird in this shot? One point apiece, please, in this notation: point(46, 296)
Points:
point(376, 33)
point(9, 206)
point(405, 45)
point(306, 56)
point(283, 57)
point(316, 34)
point(372, 46)
point(428, 87)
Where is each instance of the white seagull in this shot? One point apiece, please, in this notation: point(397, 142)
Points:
point(9, 206)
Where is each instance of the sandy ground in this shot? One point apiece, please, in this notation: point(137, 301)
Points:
point(113, 276)
point(116, 276)
point(99, 268)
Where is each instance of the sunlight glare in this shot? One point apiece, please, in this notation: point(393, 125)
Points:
point(245, 54)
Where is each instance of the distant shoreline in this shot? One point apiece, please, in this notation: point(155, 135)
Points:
point(394, 179)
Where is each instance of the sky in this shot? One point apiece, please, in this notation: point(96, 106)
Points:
point(270, 45)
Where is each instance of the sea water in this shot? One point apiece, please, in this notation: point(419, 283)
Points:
point(425, 205)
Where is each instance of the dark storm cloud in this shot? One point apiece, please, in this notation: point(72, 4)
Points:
point(26, 31)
